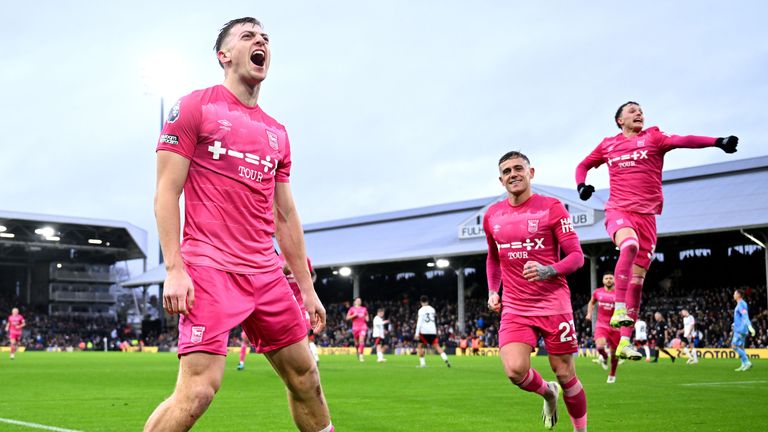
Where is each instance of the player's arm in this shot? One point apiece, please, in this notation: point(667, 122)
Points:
point(744, 312)
point(350, 315)
point(492, 269)
point(590, 309)
point(417, 332)
point(560, 223)
point(670, 142)
point(290, 237)
point(23, 323)
point(172, 170)
point(593, 160)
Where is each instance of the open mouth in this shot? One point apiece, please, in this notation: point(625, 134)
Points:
point(258, 58)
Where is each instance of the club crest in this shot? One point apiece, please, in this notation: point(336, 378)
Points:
point(533, 225)
point(272, 140)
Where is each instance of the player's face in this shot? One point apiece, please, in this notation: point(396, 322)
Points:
point(608, 281)
point(358, 302)
point(247, 51)
point(736, 296)
point(14, 311)
point(684, 313)
point(516, 175)
point(632, 118)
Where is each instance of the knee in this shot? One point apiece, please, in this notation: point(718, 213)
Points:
point(303, 381)
point(198, 399)
point(564, 373)
point(629, 246)
point(516, 372)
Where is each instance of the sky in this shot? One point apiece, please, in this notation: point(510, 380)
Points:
point(388, 105)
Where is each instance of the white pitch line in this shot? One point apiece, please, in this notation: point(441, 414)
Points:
point(724, 383)
point(36, 426)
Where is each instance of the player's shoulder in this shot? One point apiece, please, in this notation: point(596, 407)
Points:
point(495, 207)
point(271, 121)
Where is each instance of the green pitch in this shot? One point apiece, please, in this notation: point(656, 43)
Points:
point(118, 391)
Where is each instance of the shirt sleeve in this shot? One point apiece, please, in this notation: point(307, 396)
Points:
point(181, 130)
point(560, 221)
point(593, 160)
point(669, 142)
point(492, 263)
point(418, 325)
point(284, 166)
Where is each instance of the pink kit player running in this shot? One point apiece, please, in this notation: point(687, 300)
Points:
point(14, 326)
point(604, 298)
point(233, 163)
point(526, 235)
point(358, 314)
point(635, 158)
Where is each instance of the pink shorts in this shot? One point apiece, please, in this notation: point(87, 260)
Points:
point(557, 330)
point(262, 303)
point(14, 336)
point(359, 331)
point(612, 336)
point(645, 227)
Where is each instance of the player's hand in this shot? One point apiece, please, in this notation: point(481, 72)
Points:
point(316, 311)
point(588, 317)
point(178, 292)
point(494, 302)
point(751, 331)
point(585, 191)
point(727, 144)
point(533, 271)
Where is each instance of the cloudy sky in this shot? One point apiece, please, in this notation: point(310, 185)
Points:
point(389, 104)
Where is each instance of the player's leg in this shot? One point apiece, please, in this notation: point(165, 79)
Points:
point(613, 341)
point(297, 368)
point(600, 345)
point(738, 345)
point(198, 381)
point(360, 340)
point(420, 351)
point(243, 353)
point(627, 241)
point(647, 350)
point(439, 350)
point(13, 347)
point(573, 392)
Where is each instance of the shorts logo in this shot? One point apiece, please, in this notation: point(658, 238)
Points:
point(169, 139)
point(533, 225)
point(175, 112)
point(197, 334)
point(620, 221)
point(272, 140)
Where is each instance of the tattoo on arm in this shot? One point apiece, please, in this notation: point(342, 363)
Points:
point(545, 272)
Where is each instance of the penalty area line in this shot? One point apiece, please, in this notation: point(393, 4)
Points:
point(35, 425)
point(723, 383)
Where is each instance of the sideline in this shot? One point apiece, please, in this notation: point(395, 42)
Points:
point(35, 425)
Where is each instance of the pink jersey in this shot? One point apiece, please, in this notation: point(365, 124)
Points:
point(236, 154)
point(359, 312)
point(15, 322)
point(532, 231)
point(604, 300)
point(634, 167)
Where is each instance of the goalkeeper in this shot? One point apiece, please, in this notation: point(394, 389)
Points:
point(741, 325)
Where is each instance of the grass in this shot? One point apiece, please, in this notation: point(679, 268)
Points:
point(117, 391)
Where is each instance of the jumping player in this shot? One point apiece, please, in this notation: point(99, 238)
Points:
point(233, 163)
point(604, 333)
point(13, 327)
point(741, 326)
point(378, 334)
point(358, 314)
point(526, 234)
point(426, 332)
point(635, 158)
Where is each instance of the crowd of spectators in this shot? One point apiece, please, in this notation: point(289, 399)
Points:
point(712, 309)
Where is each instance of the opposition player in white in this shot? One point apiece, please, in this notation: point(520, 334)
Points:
point(378, 333)
point(426, 332)
point(689, 324)
point(641, 337)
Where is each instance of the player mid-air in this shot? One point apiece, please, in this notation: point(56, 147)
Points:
point(603, 297)
point(741, 326)
point(526, 235)
point(635, 159)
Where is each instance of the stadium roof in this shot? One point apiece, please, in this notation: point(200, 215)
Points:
point(95, 240)
point(712, 198)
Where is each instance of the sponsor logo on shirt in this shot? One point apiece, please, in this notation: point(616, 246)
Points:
point(263, 165)
point(533, 225)
point(173, 115)
point(628, 160)
point(197, 334)
point(272, 137)
point(527, 245)
point(169, 139)
point(566, 225)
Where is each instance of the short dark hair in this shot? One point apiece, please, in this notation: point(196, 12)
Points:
point(514, 154)
point(424, 299)
point(741, 293)
point(621, 108)
point(608, 273)
point(224, 32)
